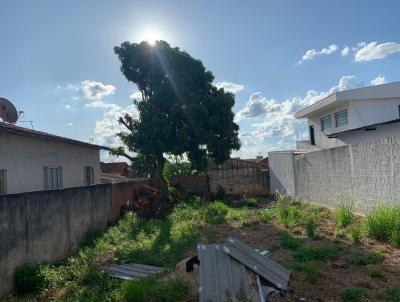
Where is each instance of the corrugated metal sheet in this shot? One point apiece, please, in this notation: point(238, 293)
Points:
point(263, 266)
point(132, 271)
point(222, 278)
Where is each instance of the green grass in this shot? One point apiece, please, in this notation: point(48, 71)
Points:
point(289, 242)
point(393, 294)
point(344, 215)
point(287, 212)
point(353, 294)
point(215, 213)
point(383, 224)
point(265, 215)
point(315, 253)
point(375, 272)
point(311, 223)
point(250, 202)
point(310, 270)
point(355, 233)
point(365, 258)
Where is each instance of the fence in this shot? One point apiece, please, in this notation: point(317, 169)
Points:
point(365, 174)
point(47, 226)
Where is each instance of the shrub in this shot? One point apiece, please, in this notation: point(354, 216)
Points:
point(344, 215)
point(149, 203)
point(311, 225)
point(265, 215)
point(215, 213)
point(149, 289)
point(393, 294)
point(373, 257)
point(315, 253)
point(353, 294)
point(289, 242)
point(355, 233)
point(382, 223)
point(250, 202)
point(28, 279)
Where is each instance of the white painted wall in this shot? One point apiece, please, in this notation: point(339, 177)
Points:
point(24, 159)
point(360, 113)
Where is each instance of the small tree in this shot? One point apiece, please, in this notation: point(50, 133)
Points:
point(181, 112)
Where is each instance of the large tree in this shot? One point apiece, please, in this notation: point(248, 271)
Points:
point(181, 111)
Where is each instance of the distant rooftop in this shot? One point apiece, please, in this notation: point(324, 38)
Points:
point(384, 91)
point(16, 130)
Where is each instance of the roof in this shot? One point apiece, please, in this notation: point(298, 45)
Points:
point(384, 91)
point(16, 130)
point(119, 168)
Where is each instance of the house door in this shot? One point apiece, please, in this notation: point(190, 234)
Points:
point(312, 138)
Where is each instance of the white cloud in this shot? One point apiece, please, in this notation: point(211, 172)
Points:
point(373, 51)
point(345, 51)
point(108, 126)
point(98, 104)
point(67, 106)
point(229, 87)
point(70, 124)
point(278, 122)
point(311, 53)
point(378, 80)
point(93, 90)
point(137, 95)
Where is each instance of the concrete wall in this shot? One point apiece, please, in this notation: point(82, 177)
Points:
point(48, 226)
point(366, 173)
point(24, 158)
point(197, 184)
point(281, 175)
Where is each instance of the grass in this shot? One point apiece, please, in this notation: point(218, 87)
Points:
point(311, 225)
point(366, 258)
point(344, 215)
point(353, 294)
point(393, 294)
point(215, 213)
point(315, 253)
point(250, 202)
point(310, 270)
point(289, 242)
point(355, 233)
point(383, 224)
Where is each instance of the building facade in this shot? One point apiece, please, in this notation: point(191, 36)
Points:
point(32, 161)
point(352, 116)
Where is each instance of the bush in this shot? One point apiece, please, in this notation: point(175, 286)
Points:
point(355, 233)
point(393, 294)
point(383, 223)
point(215, 213)
point(149, 203)
point(250, 202)
point(344, 215)
point(289, 242)
point(353, 294)
point(265, 215)
point(28, 279)
point(153, 290)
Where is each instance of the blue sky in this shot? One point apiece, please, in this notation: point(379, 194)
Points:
point(58, 65)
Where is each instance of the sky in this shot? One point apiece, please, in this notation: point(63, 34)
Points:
point(58, 65)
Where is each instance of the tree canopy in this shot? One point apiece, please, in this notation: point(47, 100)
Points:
point(181, 111)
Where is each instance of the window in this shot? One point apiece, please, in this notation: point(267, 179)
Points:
point(88, 175)
point(326, 122)
point(341, 118)
point(53, 178)
point(3, 182)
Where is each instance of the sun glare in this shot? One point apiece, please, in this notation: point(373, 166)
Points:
point(151, 36)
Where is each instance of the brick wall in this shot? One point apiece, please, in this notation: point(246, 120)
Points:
point(197, 184)
point(365, 173)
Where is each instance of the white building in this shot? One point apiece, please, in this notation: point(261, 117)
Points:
point(351, 116)
point(32, 161)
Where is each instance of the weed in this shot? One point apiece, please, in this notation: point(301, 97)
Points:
point(355, 233)
point(353, 294)
point(265, 215)
point(339, 234)
point(289, 242)
point(28, 279)
point(344, 215)
point(150, 289)
point(250, 202)
point(393, 294)
point(315, 253)
point(375, 272)
point(395, 235)
point(373, 257)
point(311, 225)
point(309, 269)
point(215, 213)
point(382, 222)
point(287, 213)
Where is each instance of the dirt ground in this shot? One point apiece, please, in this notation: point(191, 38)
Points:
point(334, 275)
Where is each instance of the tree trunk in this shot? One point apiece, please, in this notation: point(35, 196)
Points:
point(157, 178)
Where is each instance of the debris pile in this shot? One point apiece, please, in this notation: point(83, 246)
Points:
point(233, 271)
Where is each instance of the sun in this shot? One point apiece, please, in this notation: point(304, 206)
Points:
point(151, 36)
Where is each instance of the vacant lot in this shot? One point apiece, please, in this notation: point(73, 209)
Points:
point(328, 252)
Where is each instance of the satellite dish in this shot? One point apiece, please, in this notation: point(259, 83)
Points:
point(8, 113)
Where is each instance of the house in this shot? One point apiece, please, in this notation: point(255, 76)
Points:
point(114, 172)
point(347, 117)
point(32, 160)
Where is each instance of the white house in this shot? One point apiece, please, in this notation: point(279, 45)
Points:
point(32, 161)
point(351, 116)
